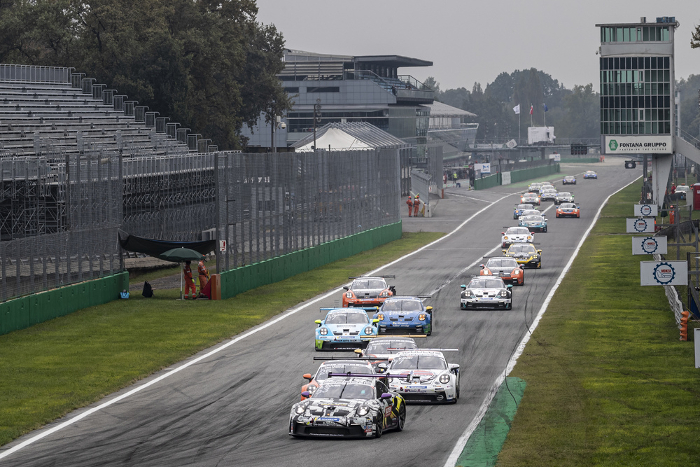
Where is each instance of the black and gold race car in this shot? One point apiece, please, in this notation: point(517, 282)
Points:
point(525, 254)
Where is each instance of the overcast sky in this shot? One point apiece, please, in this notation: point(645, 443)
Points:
point(473, 41)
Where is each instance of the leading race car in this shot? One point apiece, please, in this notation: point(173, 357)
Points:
point(590, 174)
point(367, 291)
point(519, 208)
point(404, 315)
point(525, 254)
point(534, 187)
point(530, 198)
point(568, 210)
point(345, 329)
point(383, 349)
point(334, 366)
point(504, 267)
point(516, 235)
point(537, 223)
point(424, 376)
point(486, 292)
point(361, 406)
point(569, 180)
point(564, 197)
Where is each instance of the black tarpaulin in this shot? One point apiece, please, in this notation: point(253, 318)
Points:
point(157, 247)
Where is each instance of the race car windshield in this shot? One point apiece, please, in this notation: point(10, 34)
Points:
point(502, 263)
point(347, 318)
point(517, 231)
point(403, 305)
point(384, 346)
point(344, 391)
point(322, 372)
point(564, 193)
point(531, 212)
point(567, 205)
point(418, 362)
point(533, 218)
point(522, 249)
point(368, 284)
point(524, 206)
point(486, 283)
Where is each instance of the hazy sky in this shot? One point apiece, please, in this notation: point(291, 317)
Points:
point(473, 41)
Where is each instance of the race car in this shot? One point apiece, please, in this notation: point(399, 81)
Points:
point(504, 267)
point(564, 197)
point(405, 315)
point(568, 210)
point(519, 208)
point(361, 406)
point(383, 349)
point(525, 254)
point(424, 376)
point(367, 291)
point(549, 194)
point(569, 180)
point(530, 212)
point(486, 292)
point(536, 223)
point(334, 366)
point(682, 191)
point(534, 187)
point(590, 174)
point(345, 329)
point(515, 235)
point(530, 198)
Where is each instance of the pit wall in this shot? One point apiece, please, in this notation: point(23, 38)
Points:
point(515, 176)
point(26, 311)
point(282, 267)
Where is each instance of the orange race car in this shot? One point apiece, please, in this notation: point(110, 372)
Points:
point(506, 268)
point(335, 366)
point(568, 210)
point(368, 291)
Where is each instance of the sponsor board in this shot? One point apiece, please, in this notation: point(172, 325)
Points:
point(640, 225)
point(652, 144)
point(505, 178)
point(663, 272)
point(556, 157)
point(649, 245)
point(484, 167)
point(646, 210)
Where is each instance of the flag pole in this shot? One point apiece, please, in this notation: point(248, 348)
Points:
point(531, 112)
point(519, 125)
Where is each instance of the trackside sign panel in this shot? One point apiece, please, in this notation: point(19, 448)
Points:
point(640, 225)
point(642, 210)
point(652, 144)
point(505, 178)
point(649, 245)
point(663, 272)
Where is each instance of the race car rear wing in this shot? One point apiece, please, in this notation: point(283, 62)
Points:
point(388, 276)
point(396, 335)
point(429, 349)
point(365, 308)
point(353, 359)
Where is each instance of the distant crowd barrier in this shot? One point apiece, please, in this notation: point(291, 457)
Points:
point(515, 176)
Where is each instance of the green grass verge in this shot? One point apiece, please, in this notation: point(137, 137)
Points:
point(66, 363)
point(608, 382)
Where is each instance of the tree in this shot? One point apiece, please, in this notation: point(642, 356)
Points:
point(695, 38)
point(582, 117)
point(430, 83)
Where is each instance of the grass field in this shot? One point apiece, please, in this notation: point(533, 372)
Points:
point(66, 363)
point(608, 382)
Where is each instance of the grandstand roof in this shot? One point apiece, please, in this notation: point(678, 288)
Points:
point(438, 109)
point(353, 135)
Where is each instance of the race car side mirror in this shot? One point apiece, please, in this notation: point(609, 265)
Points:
point(345, 287)
point(463, 286)
point(358, 352)
point(504, 251)
point(482, 266)
point(429, 308)
point(521, 266)
point(308, 376)
point(386, 395)
point(454, 367)
point(375, 321)
point(318, 321)
point(503, 233)
point(509, 286)
point(381, 367)
point(539, 252)
point(305, 393)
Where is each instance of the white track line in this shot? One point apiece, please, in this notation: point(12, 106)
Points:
point(224, 346)
point(462, 441)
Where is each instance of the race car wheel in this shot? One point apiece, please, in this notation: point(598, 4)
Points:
point(379, 430)
point(557, 214)
point(544, 230)
point(509, 306)
point(402, 418)
point(457, 390)
point(539, 265)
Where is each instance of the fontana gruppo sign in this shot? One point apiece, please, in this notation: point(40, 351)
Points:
point(663, 272)
point(640, 225)
point(652, 144)
point(645, 210)
point(649, 246)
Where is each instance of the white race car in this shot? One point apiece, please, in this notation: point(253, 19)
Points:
point(516, 235)
point(424, 376)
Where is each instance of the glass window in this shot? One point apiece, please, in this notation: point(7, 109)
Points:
point(616, 63)
point(638, 35)
point(654, 128)
point(647, 62)
point(666, 63)
point(647, 128)
point(654, 89)
point(646, 33)
point(635, 128)
point(665, 35)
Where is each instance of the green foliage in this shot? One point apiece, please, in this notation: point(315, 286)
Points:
point(695, 38)
point(582, 114)
point(690, 112)
point(208, 65)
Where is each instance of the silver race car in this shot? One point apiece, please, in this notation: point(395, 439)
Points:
point(424, 376)
point(516, 235)
point(487, 292)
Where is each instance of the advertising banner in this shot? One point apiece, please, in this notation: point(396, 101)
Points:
point(663, 272)
point(646, 144)
point(645, 210)
point(484, 167)
point(505, 178)
point(649, 245)
point(640, 225)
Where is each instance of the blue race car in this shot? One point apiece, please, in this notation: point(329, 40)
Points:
point(534, 223)
point(405, 315)
point(345, 329)
point(519, 208)
point(590, 174)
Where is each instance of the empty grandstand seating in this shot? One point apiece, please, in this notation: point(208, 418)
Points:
point(43, 107)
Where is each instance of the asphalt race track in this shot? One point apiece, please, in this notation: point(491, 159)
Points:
point(232, 407)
